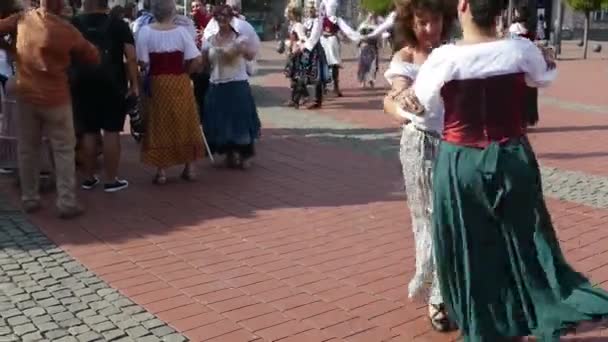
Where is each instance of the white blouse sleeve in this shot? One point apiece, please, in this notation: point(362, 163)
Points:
point(190, 49)
point(298, 28)
point(535, 67)
point(436, 71)
point(348, 31)
point(385, 26)
point(141, 45)
point(517, 28)
point(315, 34)
point(211, 29)
point(399, 68)
point(205, 45)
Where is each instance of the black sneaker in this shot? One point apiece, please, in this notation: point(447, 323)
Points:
point(90, 184)
point(119, 184)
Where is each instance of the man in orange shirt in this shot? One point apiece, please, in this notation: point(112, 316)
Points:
point(46, 44)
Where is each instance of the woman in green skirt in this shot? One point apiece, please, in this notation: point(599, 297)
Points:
point(501, 271)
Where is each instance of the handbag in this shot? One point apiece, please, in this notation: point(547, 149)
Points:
point(136, 121)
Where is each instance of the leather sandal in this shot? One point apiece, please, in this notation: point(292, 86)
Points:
point(439, 318)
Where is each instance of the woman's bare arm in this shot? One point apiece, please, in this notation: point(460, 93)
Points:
point(391, 105)
point(400, 84)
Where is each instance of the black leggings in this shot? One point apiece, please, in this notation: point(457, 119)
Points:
point(299, 89)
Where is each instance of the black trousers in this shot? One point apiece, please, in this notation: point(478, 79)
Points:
point(299, 90)
point(201, 84)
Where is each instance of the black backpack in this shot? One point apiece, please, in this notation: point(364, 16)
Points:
point(100, 36)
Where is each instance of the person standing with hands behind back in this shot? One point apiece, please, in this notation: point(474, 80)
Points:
point(101, 92)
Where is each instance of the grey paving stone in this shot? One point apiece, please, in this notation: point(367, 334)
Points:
point(137, 331)
point(149, 338)
point(96, 319)
point(163, 331)
point(47, 326)
point(45, 295)
point(103, 326)
point(79, 329)
point(55, 334)
point(34, 312)
point(56, 309)
point(89, 336)
point(17, 320)
point(174, 338)
point(26, 304)
point(42, 319)
point(68, 323)
point(23, 329)
point(112, 335)
point(152, 323)
point(35, 336)
point(142, 317)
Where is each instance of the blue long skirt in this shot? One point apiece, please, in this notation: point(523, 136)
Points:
point(231, 121)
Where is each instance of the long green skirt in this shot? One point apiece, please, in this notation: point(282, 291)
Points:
point(499, 263)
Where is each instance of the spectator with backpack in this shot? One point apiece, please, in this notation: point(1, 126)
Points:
point(100, 92)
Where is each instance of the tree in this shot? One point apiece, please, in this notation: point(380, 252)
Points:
point(377, 6)
point(586, 7)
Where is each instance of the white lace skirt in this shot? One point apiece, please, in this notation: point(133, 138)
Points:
point(331, 46)
point(417, 153)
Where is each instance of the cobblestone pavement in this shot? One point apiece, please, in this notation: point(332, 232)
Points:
point(312, 244)
point(46, 295)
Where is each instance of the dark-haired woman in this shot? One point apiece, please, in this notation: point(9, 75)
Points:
point(420, 26)
point(231, 121)
point(501, 271)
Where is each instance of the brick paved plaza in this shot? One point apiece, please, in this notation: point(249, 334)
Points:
point(312, 244)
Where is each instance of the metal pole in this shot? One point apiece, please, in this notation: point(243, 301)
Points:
point(558, 28)
point(510, 12)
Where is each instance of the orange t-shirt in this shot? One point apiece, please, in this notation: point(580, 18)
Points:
point(46, 44)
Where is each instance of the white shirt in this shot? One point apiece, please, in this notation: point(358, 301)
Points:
point(151, 40)
point(241, 26)
point(385, 26)
point(478, 61)
point(221, 70)
point(432, 119)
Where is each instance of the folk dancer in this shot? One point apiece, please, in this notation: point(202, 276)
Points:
point(332, 25)
point(424, 25)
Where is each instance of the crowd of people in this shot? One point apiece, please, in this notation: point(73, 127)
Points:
point(488, 261)
point(70, 81)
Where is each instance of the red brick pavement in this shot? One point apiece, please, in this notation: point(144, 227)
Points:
point(294, 250)
point(312, 244)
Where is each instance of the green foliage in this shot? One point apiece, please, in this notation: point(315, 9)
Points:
point(587, 6)
point(378, 6)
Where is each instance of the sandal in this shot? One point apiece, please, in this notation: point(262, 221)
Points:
point(237, 159)
point(439, 318)
point(160, 179)
point(188, 175)
point(314, 105)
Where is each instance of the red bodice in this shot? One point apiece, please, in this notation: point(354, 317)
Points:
point(530, 35)
point(167, 63)
point(329, 27)
point(481, 111)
